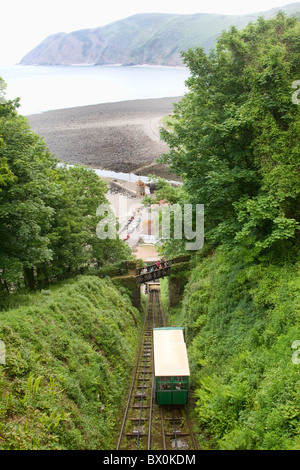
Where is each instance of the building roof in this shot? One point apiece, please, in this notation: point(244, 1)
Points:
point(170, 355)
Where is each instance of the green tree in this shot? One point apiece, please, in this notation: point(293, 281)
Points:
point(48, 216)
point(6, 176)
point(165, 193)
point(236, 135)
point(73, 238)
point(7, 106)
point(28, 188)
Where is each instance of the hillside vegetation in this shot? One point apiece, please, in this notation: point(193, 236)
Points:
point(151, 38)
point(235, 141)
point(241, 321)
point(69, 351)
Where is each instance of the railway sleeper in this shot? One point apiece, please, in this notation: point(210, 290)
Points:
point(139, 419)
point(179, 419)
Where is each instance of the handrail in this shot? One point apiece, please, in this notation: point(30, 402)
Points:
point(139, 270)
point(152, 275)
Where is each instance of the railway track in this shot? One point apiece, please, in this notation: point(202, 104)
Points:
point(146, 425)
point(176, 429)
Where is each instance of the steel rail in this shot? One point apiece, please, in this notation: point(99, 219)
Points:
point(152, 388)
point(133, 380)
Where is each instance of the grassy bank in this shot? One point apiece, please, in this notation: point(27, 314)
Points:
point(168, 122)
point(68, 354)
point(241, 320)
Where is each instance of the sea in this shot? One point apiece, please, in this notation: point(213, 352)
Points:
point(44, 88)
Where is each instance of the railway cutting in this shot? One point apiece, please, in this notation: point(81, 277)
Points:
point(148, 425)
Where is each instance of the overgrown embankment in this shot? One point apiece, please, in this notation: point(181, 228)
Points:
point(241, 320)
point(68, 354)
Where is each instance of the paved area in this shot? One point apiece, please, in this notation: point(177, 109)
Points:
point(131, 209)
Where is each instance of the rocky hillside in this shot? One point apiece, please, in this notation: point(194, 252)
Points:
point(150, 38)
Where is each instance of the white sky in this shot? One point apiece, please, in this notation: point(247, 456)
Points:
point(25, 23)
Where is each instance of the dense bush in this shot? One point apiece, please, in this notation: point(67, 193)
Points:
point(241, 320)
point(68, 354)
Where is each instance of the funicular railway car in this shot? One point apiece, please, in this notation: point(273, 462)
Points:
point(171, 367)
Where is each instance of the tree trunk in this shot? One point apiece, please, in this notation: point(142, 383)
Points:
point(29, 278)
point(42, 278)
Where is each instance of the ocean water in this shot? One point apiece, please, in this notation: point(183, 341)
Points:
point(44, 88)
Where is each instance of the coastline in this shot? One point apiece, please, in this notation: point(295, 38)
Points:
point(119, 136)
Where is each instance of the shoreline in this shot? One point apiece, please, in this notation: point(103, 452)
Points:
point(20, 64)
point(120, 136)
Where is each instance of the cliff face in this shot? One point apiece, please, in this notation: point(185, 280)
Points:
point(150, 38)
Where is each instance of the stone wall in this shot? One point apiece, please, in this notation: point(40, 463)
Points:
point(133, 288)
point(177, 280)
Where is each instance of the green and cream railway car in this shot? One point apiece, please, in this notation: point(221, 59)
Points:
point(171, 367)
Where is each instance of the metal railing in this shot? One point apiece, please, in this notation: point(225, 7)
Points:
point(153, 275)
point(154, 267)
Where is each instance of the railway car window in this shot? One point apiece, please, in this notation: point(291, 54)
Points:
point(164, 386)
point(164, 383)
point(180, 383)
point(180, 386)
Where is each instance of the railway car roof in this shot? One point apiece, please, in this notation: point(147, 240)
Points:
point(170, 355)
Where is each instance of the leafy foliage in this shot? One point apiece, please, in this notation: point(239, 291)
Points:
point(236, 135)
point(68, 352)
point(241, 320)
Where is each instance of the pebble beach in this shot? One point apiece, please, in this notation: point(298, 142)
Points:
point(120, 136)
